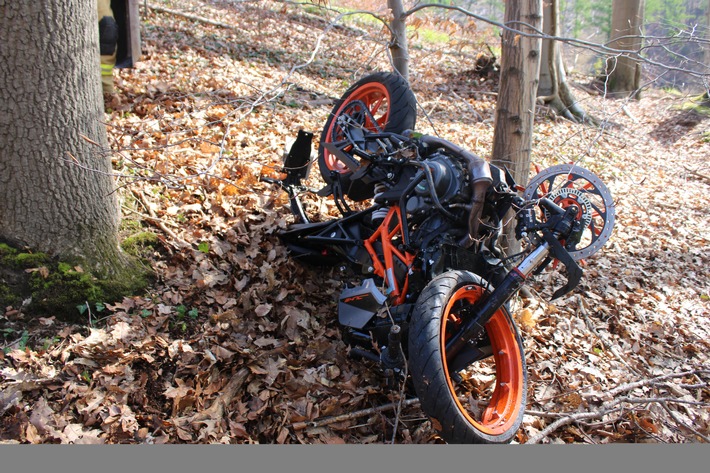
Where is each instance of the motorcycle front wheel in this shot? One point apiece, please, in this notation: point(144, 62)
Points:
point(483, 401)
point(388, 100)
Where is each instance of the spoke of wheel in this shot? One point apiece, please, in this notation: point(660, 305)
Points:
point(491, 414)
point(376, 105)
point(596, 231)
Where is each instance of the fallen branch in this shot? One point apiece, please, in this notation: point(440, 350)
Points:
point(188, 16)
point(615, 405)
point(683, 424)
point(477, 115)
point(696, 173)
point(629, 114)
point(354, 415)
point(179, 242)
point(570, 419)
point(645, 382)
point(549, 415)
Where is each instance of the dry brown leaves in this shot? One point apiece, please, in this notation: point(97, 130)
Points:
point(236, 343)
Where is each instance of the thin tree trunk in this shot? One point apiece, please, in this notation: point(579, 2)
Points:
point(398, 45)
point(623, 71)
point(56, 192)
point(707, 49)
point(515, 109)
point(554, 89)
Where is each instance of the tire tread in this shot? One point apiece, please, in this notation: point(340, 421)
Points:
point(428, 374)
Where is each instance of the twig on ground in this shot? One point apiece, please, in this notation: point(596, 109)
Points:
point(468, 106)
point(179, 243)
point(683, 424)
point(570, 419)
point(698, 174)
point(616, 404)
point(581, 310)
point(200, 19)
point(354, 415)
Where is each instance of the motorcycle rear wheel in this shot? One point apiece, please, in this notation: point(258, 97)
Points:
point(485, 401)
point(391, 102)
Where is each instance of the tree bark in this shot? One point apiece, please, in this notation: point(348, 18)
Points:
point(554, 89)
point(623, 75)
point(515, 109)
point(398, 43)
point(56, 188)
point(707, 48)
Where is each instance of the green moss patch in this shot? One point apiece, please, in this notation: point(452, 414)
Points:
point(140, 244)
point(48, 286)
point(699, 105)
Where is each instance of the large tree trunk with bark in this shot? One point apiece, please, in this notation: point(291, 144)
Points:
point(554, 90)
point(515, 109)
point(56, 189)
point(623, 74)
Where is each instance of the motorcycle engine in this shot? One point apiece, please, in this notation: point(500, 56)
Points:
point(450, 185)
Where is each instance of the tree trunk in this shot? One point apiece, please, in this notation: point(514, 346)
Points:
point(707, 46)
point(623, 74)
point(398, 44)
point(56, 191)
point(553, 89)
point(515, 109)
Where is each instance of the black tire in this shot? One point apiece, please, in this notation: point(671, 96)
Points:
point(394, 107)
point(454, 418)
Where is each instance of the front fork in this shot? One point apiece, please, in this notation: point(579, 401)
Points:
point(560, 225)
point(490, 305)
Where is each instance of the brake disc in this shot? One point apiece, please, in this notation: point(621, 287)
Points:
point(569, 184)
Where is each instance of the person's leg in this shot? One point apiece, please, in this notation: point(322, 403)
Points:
point(108, 39)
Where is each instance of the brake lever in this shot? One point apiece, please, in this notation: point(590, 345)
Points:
point(561, 223)
point(574, 271)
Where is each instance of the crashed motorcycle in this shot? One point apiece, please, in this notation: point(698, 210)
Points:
point(421, 223)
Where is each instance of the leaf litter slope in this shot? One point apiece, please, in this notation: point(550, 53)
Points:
point(236, 343)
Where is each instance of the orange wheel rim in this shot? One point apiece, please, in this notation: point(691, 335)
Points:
point(376, 97)
point(499, 412)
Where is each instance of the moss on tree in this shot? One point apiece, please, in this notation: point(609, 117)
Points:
point(52, 286)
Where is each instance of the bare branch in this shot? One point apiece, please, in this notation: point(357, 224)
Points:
point(536, 33)
point(570, 419)
point(189, 16)
point(354, 415)
point(698, 174)
point(616, 403)
point(683, 424)
point(179, 242)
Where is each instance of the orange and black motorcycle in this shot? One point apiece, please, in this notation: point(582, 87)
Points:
point(429, 285)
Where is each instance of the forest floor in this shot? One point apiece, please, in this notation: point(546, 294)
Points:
point(236, 343)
